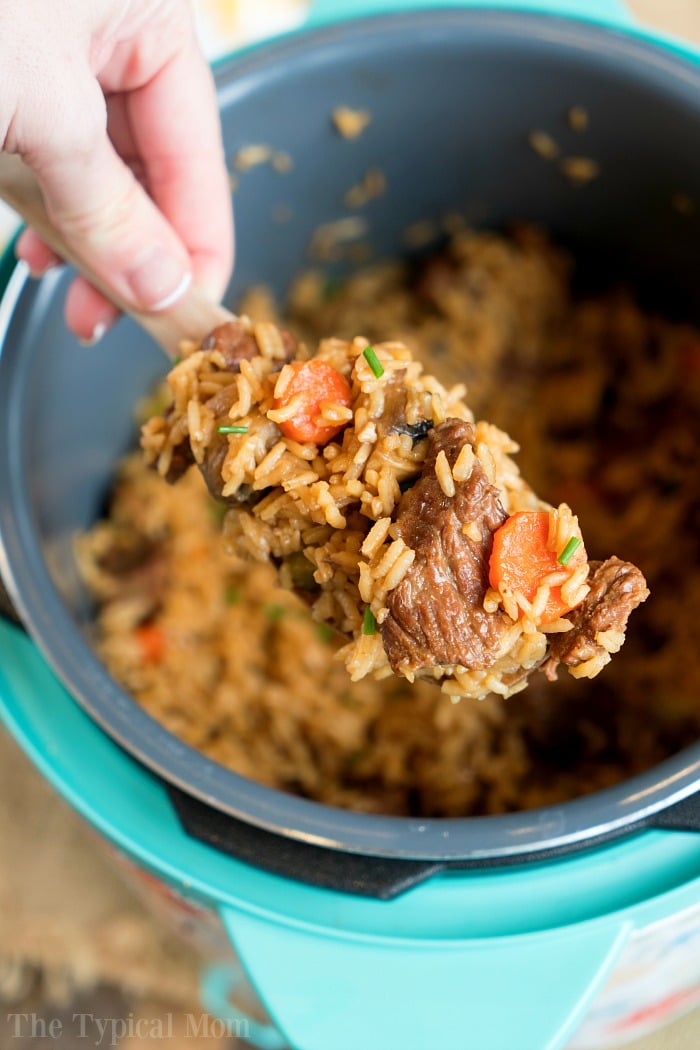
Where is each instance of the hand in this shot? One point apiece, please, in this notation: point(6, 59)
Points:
point(112, 105)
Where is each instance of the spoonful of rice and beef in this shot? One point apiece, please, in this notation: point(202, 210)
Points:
point(401, 520)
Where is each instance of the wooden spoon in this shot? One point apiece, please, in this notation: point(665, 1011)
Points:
point(191, 317)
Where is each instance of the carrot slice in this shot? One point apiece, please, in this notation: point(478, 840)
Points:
point(521, 560)
point(312, 385)
point(151, 642)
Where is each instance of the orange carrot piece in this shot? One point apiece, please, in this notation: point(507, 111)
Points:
point(521, 560)
point(315, 383)
point(151, 641)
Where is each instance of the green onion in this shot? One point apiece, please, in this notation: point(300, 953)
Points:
point(370, 356)
point(301, 571)
point(218, 512)
point(568, 552)
point(324, 633)
point(369, 624)
point(232, 430)
point(233, 594)
point(274, 612)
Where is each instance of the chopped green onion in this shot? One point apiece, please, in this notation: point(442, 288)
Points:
point(232, 430)
point(233, 594)
point(370, 356)
point(176, 361)
point(369, 624)
point(218, 512)
point(568, 552)
point(300, 571)
point(274, 612)
point(325, 633)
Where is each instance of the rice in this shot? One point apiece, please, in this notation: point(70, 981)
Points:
point(578, 118)
point(330, 239)
point(464, 464)
point(371, 186)
point(255, 154)
point(245, 674)
point(353, 479)
point(544, 145)
point(580, 170)
point(349, 122)
point(444, 475)
point(252, 155)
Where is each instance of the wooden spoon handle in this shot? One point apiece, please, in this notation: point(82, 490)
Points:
point(191, 317)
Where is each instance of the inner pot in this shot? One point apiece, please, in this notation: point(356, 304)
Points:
point(454, 97)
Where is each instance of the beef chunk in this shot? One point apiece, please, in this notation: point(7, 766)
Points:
point(216, 451)
point(235, 345)
point(436, 613)
point(617, 587)
point(182, 459)
point(215, 454)
point(129, 550)
point(136, 566)
point(394, 420)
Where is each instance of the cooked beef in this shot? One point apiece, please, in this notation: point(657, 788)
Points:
point(220, 404)
point(235, 345)
point(434, 277)
point(128, 551)
point(436, 613)
point(182, 459)
point(211, 467)
point(136, 566)
point(617, 587)
point(393, 419)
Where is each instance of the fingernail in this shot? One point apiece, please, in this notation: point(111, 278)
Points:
point(159, 280)
point(176, 294)
point(98, 331)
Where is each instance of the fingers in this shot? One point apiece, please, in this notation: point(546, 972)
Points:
point(38, 256)
point(145, 239)
point(108, 219)
point(88, 314)
point(184, 162)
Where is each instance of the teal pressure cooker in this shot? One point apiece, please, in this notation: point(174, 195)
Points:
point(576, 924)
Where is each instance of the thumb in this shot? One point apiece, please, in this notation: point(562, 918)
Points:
point(111, 223)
